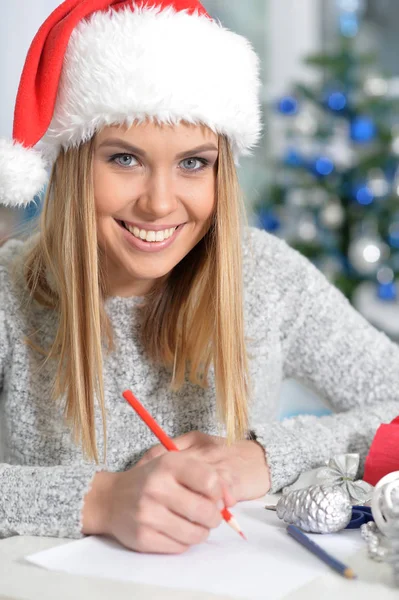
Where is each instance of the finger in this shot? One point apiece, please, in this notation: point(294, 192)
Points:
point(228, 480)
point(178, 528)
point(231, 484)
point(148, 539)
point(195, 508)
point(187, 440)
point(172, 490)
point(154, 452)
point(211, 454)
point(228, 497)
point(199, 477)
point(199, 440)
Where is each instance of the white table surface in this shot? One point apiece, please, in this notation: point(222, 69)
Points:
point(20, 580)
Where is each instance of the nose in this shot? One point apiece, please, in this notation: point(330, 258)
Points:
point(159, 199)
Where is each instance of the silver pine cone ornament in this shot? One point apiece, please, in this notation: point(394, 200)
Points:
point(316, 509)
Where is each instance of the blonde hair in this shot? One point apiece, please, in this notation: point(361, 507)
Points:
point(191, 320)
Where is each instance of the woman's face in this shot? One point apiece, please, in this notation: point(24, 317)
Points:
point(154, 189)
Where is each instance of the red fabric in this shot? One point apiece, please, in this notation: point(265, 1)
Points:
point(383, 457)
point(38, 87)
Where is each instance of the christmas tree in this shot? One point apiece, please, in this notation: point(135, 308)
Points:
point(335, 189)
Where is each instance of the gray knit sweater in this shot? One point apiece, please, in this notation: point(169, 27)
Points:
point(298, 326)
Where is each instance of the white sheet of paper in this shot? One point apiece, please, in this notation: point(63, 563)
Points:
point(269, 565)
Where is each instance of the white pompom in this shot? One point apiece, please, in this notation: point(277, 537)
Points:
point(23, 173)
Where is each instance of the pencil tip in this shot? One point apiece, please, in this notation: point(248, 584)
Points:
point(349, 574)
point(242, 535)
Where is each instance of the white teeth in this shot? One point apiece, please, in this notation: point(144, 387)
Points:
point(151, 236)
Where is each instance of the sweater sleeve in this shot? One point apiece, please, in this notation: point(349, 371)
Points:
point(43, 501)
point(4, 347)
point(39, 501)
point(332, 349)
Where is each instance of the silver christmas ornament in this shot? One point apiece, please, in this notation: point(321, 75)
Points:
point(342, 471)
point(382, 536)
point(377, 548)
point(385, 275)
point(332, 215)
point(317, 197)
point(395, 139)
point(395, 184)
point(385, 509)
point(340, 150)
point(307, 228)
point(393, 87)
point(366, 254)
point(378, 183)
point(316, 509)
point(306, 122)
point(330, 267)
point(296, 198)
point(395, 144)
point(375, 86)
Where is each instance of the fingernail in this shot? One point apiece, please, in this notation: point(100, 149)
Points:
point(220, 504)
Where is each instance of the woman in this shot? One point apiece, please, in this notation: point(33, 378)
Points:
point(141, 278)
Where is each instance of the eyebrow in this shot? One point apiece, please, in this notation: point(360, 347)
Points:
point(116, 142)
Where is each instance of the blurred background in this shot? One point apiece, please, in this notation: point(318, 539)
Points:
point(325, 176)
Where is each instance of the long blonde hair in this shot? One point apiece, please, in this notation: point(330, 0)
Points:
point(192, 320)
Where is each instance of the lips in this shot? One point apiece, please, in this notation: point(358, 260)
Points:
point(145, 245)
point(150, 226)
point(152, 235)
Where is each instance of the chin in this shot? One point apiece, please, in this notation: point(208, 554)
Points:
point(148, 275)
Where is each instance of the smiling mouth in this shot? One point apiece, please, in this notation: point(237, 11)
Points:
point(149, 235)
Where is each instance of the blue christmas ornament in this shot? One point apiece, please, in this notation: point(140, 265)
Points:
point(363, 194)
point(387, 291)
point(356, 6)
point(269, 220)
point(336, 101)
point(362, 129)
point(292, 158)
point(348, 24)
point(393, 235)
point(394, 261)
point(347, 266)
point(288, 105)
point(323, 166)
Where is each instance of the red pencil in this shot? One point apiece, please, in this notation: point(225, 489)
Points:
point(169, 444)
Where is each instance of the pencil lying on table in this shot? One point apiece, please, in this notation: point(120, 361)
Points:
point(169, 444)
point(320, 553)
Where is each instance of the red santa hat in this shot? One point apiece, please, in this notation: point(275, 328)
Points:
point(100, 62)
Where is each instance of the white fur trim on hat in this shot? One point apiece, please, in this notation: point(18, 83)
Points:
point(23, 173)
point(127, 66)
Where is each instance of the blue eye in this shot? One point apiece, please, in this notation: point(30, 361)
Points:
point(128, 160)
point(123, 160)
point(201, 161)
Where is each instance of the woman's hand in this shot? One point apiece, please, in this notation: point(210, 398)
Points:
point(163, 505)
point(242, 466)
